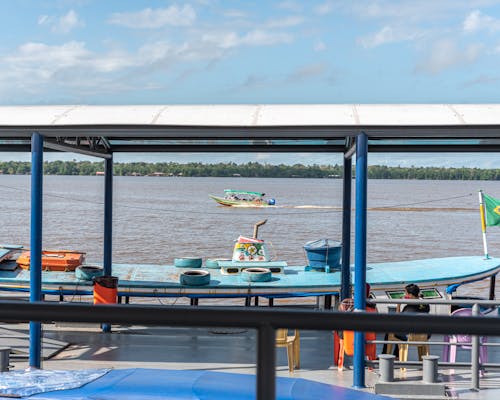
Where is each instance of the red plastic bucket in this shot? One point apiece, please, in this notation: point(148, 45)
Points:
point(105, 290)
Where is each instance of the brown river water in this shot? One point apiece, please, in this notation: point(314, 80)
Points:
point(157, 219)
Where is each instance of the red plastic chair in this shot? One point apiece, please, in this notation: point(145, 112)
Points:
point(346, 344)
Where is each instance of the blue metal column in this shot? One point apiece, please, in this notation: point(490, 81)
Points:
point(345, 290)
point(108, 223)
point(360, 255)
point(36, 245)
point(108, 215)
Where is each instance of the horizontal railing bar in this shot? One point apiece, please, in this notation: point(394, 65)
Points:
point(436, 301)
point(429, 342)
point(441, 364)
point(414, 343)
point(248, 318)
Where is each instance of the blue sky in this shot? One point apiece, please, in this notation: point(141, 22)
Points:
point(238, 52)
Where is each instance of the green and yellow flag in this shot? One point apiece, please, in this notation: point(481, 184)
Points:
point(492, 210)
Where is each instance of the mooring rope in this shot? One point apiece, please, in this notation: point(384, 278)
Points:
point(277, 210)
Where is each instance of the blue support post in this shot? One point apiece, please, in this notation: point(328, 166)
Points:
point(36, 245)
point(108, 224)
point(345, 289)
point(108, 215)
point(360, 255)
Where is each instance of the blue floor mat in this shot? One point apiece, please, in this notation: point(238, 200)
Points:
point(148, 384)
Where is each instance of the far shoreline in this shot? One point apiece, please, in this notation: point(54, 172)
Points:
point(248, 170)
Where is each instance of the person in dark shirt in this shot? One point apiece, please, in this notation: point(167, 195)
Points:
point(412, 291)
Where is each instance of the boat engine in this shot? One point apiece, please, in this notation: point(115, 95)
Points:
point(251, 249)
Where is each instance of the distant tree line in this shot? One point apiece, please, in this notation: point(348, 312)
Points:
point(251, 169)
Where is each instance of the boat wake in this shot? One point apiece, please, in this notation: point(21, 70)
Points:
point(312, 207)
point(422, 209)
point(315, 207)
point(337, 208)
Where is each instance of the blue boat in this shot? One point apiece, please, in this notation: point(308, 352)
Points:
point(438, 277)
point(8, 251)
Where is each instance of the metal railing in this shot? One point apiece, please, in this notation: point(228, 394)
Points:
point(475, 304)
point(264, 320)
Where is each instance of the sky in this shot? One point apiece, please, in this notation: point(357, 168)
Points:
point(253, 52)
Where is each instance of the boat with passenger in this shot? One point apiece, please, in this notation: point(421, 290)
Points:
point(243, 198)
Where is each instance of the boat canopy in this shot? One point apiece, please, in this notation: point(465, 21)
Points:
point(231, 191)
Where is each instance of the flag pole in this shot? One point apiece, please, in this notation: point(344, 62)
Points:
point(483, 224)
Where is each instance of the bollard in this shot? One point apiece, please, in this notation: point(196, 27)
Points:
point(386, 366)
point(430, 369)
point(474, 357)
point(4, 358)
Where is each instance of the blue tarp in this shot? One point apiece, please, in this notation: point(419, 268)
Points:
point(27, 383)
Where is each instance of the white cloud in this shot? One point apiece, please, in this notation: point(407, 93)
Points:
point(155, 18)
point(382, 9)
point(473, 21)
point(387, 34)
point(265, 38)
point(303, 73)
point(153, 52)
point(257, 37)
point(290, 6)
point(308, 71)
point(445, 54)
point(324, 8)
point(63, 24)
point(319, 46)
point(476, 21)
point(38, 67)
point(225, 40)
point(482, 80)
point(234, 14)
point(411, 10)
point(43, 56)
point(285, 22)
point(262, 157)
point(43, 19)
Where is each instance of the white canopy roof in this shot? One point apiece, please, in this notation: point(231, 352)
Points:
point(292, 115)
point(404, 123)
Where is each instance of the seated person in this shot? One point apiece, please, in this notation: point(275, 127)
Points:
point(412, 291)
point(346, 338)
point(348, 305)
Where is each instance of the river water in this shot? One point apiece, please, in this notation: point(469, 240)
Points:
point(157, 219)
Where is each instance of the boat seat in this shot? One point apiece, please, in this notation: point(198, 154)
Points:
point(292, 344)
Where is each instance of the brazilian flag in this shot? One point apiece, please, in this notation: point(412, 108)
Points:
point(492, 209)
